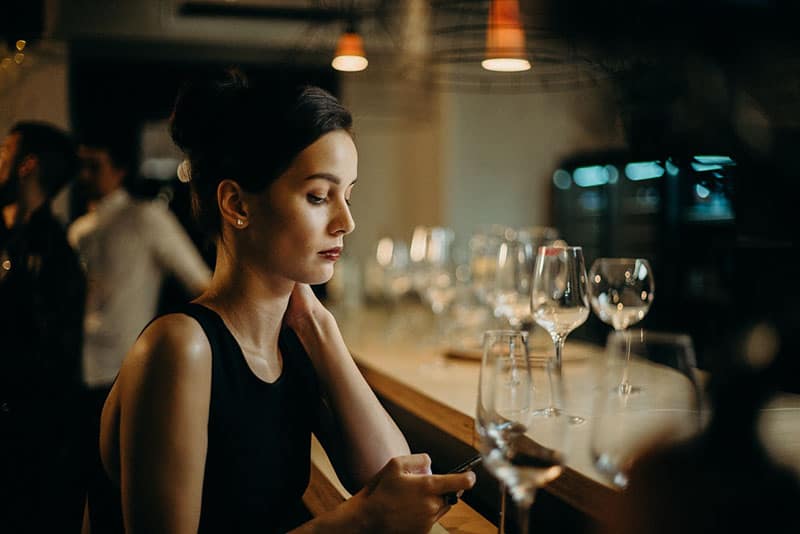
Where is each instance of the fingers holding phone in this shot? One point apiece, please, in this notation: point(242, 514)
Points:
point(405, 497)
point(452, 497)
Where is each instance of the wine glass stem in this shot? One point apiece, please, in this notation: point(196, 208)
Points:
point(558, 341)
point(550, 369)
point(523, 514)
point(625, 384)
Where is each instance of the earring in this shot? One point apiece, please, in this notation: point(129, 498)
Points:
point(239, 222)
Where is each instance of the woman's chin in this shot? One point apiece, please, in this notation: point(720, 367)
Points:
point(319, 278)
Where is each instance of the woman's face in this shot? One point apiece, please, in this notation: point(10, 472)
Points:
point(300, 221)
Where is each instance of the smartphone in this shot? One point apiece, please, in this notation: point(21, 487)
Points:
point(466, 466)
point(452, 498)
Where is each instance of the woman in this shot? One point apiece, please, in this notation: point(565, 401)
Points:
point(207, 427)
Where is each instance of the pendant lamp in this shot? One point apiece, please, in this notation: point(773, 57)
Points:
point(350, 56)
point(505, 38)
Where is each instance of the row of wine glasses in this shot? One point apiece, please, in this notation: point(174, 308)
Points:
point(511, 392)
point(548, 288)
point(425, 266)
point(490, 275)
point(501, 267)
point(620, 292)
point(424, 269)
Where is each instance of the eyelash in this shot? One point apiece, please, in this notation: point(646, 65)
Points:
point(314, 199)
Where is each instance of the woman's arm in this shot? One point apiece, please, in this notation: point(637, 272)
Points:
point(164, 391)
point(366, 435)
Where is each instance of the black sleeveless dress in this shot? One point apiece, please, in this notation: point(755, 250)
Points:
point(259, 439)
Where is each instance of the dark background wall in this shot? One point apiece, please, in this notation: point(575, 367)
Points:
point(706, 77)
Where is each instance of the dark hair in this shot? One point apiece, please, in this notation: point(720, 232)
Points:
point(230, 130)
point(120, 144)
point(53, 148)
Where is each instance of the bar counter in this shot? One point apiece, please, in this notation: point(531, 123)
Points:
point(438, 397)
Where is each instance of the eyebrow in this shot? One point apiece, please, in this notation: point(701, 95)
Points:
point(329, 177)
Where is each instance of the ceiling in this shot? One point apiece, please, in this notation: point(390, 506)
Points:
point(306, 28)
point(439, 40)
point(571, 43)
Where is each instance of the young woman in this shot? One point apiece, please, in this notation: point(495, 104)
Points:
point(208, 425)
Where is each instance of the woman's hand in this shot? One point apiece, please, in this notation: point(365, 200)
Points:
point(304, 308)
point(404, 497)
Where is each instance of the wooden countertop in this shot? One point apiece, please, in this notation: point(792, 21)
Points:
point(405, 371)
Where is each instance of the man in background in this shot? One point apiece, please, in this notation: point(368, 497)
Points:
point(127, 247)
point(42, 292)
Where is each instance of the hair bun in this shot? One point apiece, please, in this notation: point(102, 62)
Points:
point(203, 109)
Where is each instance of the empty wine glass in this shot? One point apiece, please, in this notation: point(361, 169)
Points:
point(559, 301)
point(621, 291)
point(440, 287)
point(392, 256)
point(507, 397)
point(483, 247)
point(511, 291)
point(625, 425)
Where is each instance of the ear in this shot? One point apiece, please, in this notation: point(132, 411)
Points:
point(28, 166)
point(232, 205)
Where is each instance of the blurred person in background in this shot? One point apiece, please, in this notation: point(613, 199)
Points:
point(128, 247)
point(42, 294)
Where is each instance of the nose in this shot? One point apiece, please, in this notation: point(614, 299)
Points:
point(342, 222)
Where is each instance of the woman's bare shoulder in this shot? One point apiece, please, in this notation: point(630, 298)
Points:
point(173, 343)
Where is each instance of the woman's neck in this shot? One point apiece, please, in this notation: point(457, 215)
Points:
point(251, 303)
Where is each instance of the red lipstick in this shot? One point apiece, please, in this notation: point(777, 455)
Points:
point(332, 254)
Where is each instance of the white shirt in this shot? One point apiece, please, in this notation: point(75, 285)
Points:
point(127, 248)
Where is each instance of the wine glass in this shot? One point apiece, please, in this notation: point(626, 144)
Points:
point(507, 397)
point(483, 247)
point(440, 286)
point(511, 289)
point(392, 256)
point(559, 301)
point(624, 425)
point(621, 292)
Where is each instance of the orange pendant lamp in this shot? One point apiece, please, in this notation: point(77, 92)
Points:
point(349, 55)
point(505, 38)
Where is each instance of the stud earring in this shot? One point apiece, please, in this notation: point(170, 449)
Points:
point(239, 222)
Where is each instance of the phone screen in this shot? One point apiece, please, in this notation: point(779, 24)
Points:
point(469, 464)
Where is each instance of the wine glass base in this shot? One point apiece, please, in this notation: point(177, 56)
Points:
point(627, 389)
point(612, 471)
point(555, 412)
point(576, 419)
